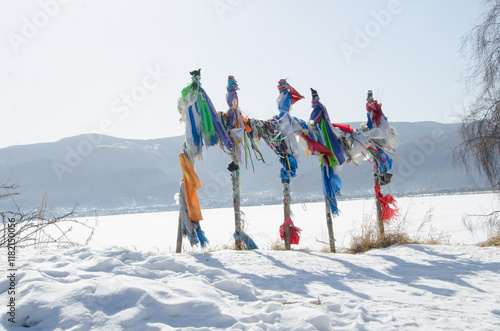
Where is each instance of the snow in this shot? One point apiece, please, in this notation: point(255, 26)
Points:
point(158, 231)
point(129, 279)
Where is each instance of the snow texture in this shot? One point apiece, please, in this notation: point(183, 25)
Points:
point(446, 287)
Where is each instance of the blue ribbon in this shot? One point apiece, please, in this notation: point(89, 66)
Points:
point(246, 239)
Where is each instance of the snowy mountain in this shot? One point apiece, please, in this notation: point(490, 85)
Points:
point(113, 175)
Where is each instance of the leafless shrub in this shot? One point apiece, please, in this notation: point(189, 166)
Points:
point(491, 224)
point(40, 228)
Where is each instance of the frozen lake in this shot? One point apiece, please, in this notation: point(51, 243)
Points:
point(158, 231)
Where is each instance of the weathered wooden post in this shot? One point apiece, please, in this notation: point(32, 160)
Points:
point(382, 162)
point(236, 127)
point(331, 155)
point(287, 213)
point(380, 222)
point(329, 225)
point(235, 178)
point(178, 249)
point(288, 96)
point(203, 127)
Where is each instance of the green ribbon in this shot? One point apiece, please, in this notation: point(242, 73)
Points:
point(332, 160)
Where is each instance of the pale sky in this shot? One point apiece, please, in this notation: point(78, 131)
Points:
point(117, 67)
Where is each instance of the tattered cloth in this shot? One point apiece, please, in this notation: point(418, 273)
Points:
point(331, 187)
point(294, 231)
point(389, 208)
point(320, 117)
point(191, 229)
point(346, 128)
point(191, 184)
point(376, 114)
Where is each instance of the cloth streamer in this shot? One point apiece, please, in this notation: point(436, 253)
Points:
point(383, 159)
point(203, 123)
point(246, 239)
point(191, 184)
point(389, 208)
point(294, 231)
point(209, 133)
point(281, 134)
point(331, 187)
point(331, 152)
point(192, 230)
point(318, 149)
point(217, 123)
point(375, 113)
point(386, 162)
point(294, 94)
point(289, 168)
point(193, 128)
point(320, 118)
point(346, 128)
point(288, 96)
point(194, 92)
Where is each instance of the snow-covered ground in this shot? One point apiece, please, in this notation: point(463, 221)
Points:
point(158, 231)
point(129, 279)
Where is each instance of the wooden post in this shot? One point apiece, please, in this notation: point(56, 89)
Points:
point(179, 237)
point(380, 223)
point(235, 178)
point(178, 249)
point(329, 224)
point(286, 207)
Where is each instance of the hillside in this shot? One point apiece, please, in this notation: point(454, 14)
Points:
point(114, 175)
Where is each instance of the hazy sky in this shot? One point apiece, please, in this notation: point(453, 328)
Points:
point(117, 67)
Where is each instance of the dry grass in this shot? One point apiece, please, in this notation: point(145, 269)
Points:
point(223, 247)
point(492, 241)
point(325, 249)
point(395, 233)
point(277, 245)
point(369, 240)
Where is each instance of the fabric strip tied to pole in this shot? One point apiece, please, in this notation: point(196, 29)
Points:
point(331, 187)
point(191, 184)
point(294, 231)
point(389, 208)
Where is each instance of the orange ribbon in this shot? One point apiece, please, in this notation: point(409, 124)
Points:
point(191, 184)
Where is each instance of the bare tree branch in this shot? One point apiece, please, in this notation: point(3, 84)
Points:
point(35, 228)
point(480, 129)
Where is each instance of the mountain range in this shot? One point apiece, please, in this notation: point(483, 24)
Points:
point(107, 175)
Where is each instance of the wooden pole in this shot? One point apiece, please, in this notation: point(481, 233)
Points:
point(380, 222)
point(235, 178)
point(179, 237)
point(286, 207)
point(178, 249)
point(329, 224)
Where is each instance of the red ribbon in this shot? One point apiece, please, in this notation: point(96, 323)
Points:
point(376, 109)
point(294, 231)
point(388, 212)
point(315, 147)
point(294, 94)
point(343, 127)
